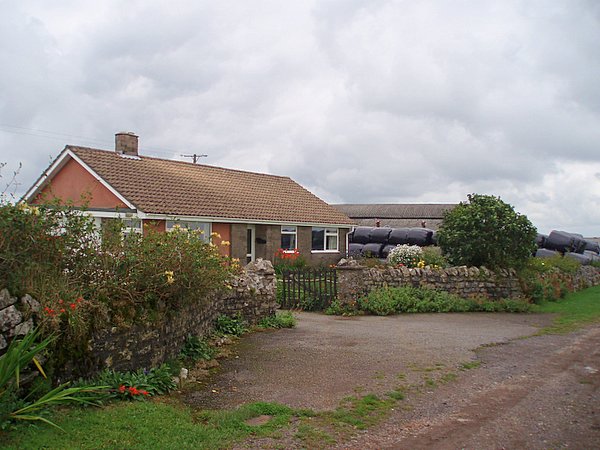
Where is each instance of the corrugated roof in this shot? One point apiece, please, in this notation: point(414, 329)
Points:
point(395, 210)
point(160, 186)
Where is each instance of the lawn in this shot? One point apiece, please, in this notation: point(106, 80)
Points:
point(575, 310)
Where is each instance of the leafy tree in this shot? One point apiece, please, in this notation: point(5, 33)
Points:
point(486, 232)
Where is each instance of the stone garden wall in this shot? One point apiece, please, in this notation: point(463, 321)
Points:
point(148, 345)
point(355, 280)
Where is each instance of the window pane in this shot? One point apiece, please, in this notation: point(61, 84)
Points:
point(332, 243)
point(288, 241)
point(288, 229)
point(318, 239)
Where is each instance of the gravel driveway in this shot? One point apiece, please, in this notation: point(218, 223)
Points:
point(527, 384)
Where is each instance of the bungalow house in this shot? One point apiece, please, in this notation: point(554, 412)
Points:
point(397, 215)
point(257, 213)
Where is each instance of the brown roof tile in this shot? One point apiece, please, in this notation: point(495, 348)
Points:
point(161, 186)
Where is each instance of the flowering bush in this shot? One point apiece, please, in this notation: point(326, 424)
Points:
point(287, 260)
point(405, 255)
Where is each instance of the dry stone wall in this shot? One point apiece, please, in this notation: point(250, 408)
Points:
point(355, 280)
point(148, 345)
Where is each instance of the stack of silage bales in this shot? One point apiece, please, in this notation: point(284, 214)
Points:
point(571, 245)
point(377, 242)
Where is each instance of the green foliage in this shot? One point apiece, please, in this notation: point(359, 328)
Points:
point(486, 232)
point(142, 425)
point(18, 402)
point(386, 301)
point(432, 257)
point(574, 311)
point(232, 326)
point(283, 319)
point(547, 279)
point(336, 308)
point(137, 384)
point(284, 260)
point(196, 349)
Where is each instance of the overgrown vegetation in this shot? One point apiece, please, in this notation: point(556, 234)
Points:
point(548, 279)
point(486, 231)
point(282, 319)
point(386, 301)
point(21, 399)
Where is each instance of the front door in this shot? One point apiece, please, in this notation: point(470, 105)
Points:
point(250, 242)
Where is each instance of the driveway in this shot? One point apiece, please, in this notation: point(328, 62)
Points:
point(538, 393)
point(326, 358)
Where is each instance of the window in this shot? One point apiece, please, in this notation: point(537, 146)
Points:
point(131, 226)
point(288, 238)
point(325, 239)
point(202, 227)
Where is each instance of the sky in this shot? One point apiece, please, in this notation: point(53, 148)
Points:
point(374, 101)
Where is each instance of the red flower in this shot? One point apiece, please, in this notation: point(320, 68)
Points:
point(144, 392)
point(133, 390)
point(79, 300)
point(72, 306)
point(62, 310)
point(121, 388)
point(60, 301)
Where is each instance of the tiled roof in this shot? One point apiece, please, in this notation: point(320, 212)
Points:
point(160, 186)
point(396, 210)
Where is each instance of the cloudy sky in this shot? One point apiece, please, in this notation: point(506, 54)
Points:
point(359, 101)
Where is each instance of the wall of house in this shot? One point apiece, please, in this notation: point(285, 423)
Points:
point(72, 182)
point(224, 231)
point(148, 345)
point(238, 241)
point(158, 226)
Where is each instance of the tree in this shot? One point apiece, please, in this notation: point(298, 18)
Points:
point(485, 231)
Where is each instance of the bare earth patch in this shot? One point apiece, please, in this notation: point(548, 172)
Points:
point(470, 382)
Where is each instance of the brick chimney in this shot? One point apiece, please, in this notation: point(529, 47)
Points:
point(126, 143)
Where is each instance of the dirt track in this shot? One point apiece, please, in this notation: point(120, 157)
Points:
point(539, 392)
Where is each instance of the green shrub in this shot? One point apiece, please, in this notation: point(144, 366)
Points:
point(196, 349)
point(232, 326)
point(432, 257)
point(19, 402)
point(486, 232)
point(386, 301)
point(336, 308)
point(284, 319)
point(137, 384)
point(548, 279)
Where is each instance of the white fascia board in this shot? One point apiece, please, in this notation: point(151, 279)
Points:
point(58, 164)
point(151, 216)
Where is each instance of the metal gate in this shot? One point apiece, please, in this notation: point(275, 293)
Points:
point(308, 289)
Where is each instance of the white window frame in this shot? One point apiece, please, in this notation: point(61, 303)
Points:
point(170, 225)
point(290, 233)
point(328, 232)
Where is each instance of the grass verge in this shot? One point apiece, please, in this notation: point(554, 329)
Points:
point(574, 311)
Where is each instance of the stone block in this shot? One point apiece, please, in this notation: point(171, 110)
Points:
point(5, 299)
point(9, 318)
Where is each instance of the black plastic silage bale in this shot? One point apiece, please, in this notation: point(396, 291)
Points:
point(592, 255)
point(362, 235)
point(419, 236)
point(355, 249)
point(380, 235)
point(372, 250)
point(540, 240)
point(583, 259)
point(398, 236)
point(592, 246)
point(563, 241)
point(434, 238)
point(385, 251)
point(545, 253)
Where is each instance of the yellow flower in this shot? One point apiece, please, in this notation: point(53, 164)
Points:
point(169, 275)
point(226, 243)
point(217, 235)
